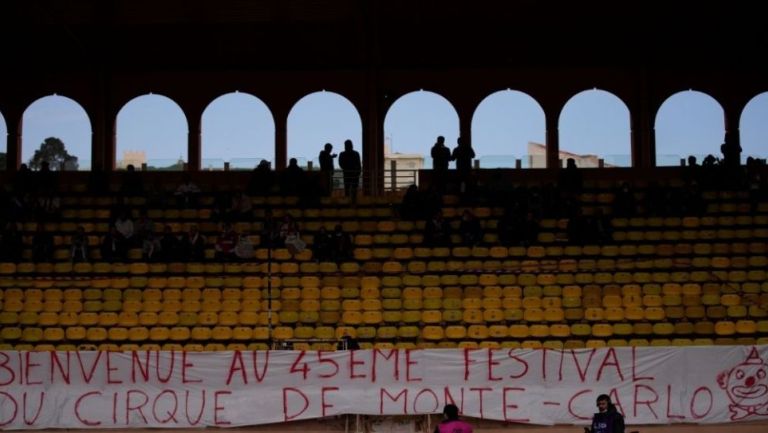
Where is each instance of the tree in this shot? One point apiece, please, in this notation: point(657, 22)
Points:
point(53, 151)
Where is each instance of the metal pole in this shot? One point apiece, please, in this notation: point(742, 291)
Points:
point(269, 285)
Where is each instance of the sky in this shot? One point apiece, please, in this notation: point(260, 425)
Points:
point(239, 128)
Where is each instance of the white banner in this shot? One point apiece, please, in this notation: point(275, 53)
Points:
point(226, 389)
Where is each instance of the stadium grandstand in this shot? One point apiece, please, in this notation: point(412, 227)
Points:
point(272, 301)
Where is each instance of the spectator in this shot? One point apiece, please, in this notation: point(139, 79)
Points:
point(187, 193)
point(342, 244)
point(290, 235)
point(192, 245)
point(452, 423)
point(607, 419)
point(270, 230)
point(261, 180)
point(471, 232)
point(349, 161)
point(463, 155)
point(111, 248)
point(240, 207)
point(42, 245)
point(571, 179)
point(125, 231)
point(441, 156)
point(169, 244)
point(132, 183)
point(326, 166)
point(411, 206)
point(226, 243)
point(11, 243)
point(244, 249)
point(293, 178)
point(322, 249)
point(79, 247)
point(348, 342)
point(437, 231)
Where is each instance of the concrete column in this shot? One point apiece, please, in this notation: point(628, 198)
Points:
point(194, 149)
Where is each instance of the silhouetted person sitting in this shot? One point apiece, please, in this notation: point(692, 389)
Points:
point(348, 342)
point(471, 232)
point(11, 243)
point(244, 248)
point(570, 178)
point(111, 248)
point(437, 231)
point(262, 179)
point(240, 207)
point(23, 181)
point(193, 245)
point(270, 231)
point(46, 179)
point(132, 183)
point(293, 178)
point(79, 246)
point(226, 243)
point(624, 201)
point(169, 245)
point(411, 206)
point(342, 244)
point(42, 245)
point(187, 193)
point(322, 248)
point(349, 161)
point(578, 229)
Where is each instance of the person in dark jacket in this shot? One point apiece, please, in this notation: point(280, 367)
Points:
point(607, 419)
point(349, 161)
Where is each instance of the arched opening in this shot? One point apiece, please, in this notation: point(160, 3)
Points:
point(594, 125)
point(688, 123)
point(151, 129)
point(753, 131)
point(237, 128)
point(320, 118)
point(57, 130)
point(411, 127)
point(507, 126)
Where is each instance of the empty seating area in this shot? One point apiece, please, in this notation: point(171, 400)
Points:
point(674, 280)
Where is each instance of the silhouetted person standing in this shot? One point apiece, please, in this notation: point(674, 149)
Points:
point(349, 161)
point(463, 155)
point(326, 166)
point(441, 156)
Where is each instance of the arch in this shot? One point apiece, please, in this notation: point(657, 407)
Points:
point(753, 132)
point(412, 124)
point(155, 128)
point(319, 118)
point(688, 123)
point(237, 128)
point(595, 124)
point(56, 116)
point(3, 143)
point(506, 125)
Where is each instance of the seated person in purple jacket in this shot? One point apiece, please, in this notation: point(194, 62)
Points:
point(452, 423)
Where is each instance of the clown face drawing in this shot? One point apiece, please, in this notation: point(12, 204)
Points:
point(747, 387)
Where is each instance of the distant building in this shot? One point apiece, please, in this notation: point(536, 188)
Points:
point(537, 157)
point(408, 166)
point(132, 157)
